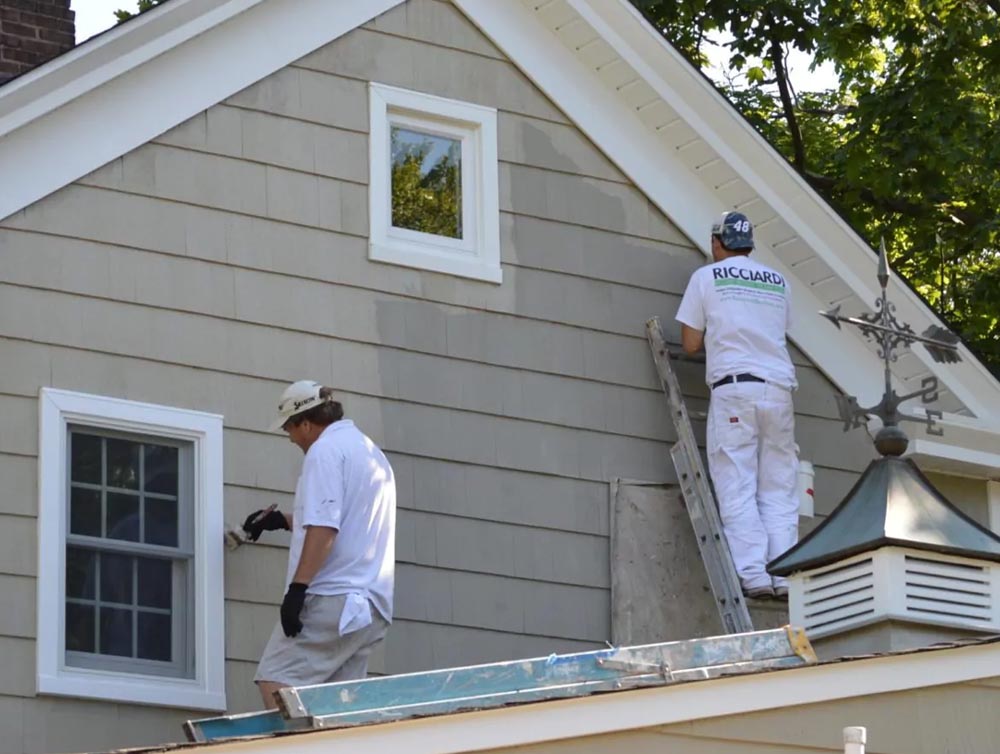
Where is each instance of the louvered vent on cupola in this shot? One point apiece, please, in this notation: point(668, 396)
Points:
point(897, 584)
point(895, 565)
point(960, 593)
point(836, 597)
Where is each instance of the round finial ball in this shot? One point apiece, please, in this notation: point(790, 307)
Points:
point(891, 441)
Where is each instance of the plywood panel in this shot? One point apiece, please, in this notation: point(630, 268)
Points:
point(660, 590)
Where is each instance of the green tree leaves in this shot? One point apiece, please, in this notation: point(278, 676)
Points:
point(426, 183)
point(907, 145)
point(143, 6)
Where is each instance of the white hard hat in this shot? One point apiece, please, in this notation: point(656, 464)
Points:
point(298, 397)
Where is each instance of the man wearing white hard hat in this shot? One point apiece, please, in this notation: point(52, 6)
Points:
point(338, 599)
point(739, 311)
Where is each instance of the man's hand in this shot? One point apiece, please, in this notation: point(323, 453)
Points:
point(267, 519)
point(291, 606)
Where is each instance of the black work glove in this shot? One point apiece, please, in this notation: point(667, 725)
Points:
point(258, 521)
point(291, 606)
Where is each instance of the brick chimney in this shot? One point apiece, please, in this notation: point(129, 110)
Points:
point(33, 32)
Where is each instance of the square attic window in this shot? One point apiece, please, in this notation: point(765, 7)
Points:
point(434, 187)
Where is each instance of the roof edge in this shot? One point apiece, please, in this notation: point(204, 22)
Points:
point(108, 55)
point(69, 101)
point(556, 720)
point(877, 544)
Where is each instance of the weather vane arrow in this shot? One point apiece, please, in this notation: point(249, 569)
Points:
point(882, 327)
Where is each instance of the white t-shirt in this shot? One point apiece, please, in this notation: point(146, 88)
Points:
point(347, 484)
point(744, 310)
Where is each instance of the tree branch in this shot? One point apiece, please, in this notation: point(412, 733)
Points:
point(828, 111)
point(778, 61)
point(900, 206)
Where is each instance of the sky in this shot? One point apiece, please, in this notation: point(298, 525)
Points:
point(94, 16)
point(803, 80)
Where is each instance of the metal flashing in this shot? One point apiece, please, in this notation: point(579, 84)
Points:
point(892, 504)
point(481, 687)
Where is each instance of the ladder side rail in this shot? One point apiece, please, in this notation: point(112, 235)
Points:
point(714, 552)
point(698, 497)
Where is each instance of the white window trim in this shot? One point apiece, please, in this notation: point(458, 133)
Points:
point(993, 504)
point(207, 690)
point(478, 255)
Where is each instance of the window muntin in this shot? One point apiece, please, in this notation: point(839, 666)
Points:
point(129, 557)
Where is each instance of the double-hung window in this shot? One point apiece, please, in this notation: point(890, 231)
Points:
point(130, 521)
point(129, 553)
point(433, 192)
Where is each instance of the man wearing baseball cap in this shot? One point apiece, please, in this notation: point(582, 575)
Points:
point(739, 311)
point(338, 600)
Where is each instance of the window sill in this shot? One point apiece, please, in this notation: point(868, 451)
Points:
point(162, 692)
point(433, 259)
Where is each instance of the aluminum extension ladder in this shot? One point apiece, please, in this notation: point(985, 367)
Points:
point(698, 497)
point(481, 687)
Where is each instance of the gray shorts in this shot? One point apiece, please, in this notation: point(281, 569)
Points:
point(319, 654)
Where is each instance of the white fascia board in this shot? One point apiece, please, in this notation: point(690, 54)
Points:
point(59, 132)
point(993, 505)
point(602, 714)
point(966, 447)
point(934, 455)
point(107, 56)
point(715, 120)
point(666, 180)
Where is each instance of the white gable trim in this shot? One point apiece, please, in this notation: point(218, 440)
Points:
point(148, 76)
point(107, 56)
point(630, 710)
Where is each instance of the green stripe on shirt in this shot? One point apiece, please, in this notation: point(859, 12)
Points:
point(750, 284)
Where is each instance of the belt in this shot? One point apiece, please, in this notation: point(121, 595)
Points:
point(745, 377)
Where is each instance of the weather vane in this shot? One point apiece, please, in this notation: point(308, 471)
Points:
point(882, 327)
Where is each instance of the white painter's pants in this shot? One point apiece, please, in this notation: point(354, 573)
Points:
point(752, 459)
